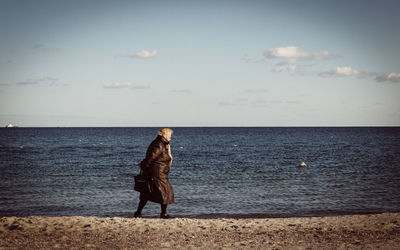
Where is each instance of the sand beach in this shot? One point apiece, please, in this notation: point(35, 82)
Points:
point(332, 232)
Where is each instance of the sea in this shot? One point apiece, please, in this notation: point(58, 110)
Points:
point(227, 172)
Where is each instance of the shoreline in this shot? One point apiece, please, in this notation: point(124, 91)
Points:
point(346, 231)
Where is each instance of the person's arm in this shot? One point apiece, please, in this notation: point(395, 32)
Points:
point(151, 155)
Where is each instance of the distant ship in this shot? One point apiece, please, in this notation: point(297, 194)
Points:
point(10, 126)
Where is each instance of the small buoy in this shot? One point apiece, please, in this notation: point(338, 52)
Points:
point(303, 165)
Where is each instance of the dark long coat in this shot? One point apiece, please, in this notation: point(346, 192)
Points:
point(155, 168)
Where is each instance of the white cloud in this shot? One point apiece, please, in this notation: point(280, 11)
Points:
point(122, 85)
point(340, 71)
point(285, 52)
point(141, 54)
point(146, 54)
point(46, 79)
point(388, 77)
point(349, 71)
point(289, 68)
point(117, 85)
point(291, 53)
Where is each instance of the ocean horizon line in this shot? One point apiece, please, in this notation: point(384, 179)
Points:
point(223, 126)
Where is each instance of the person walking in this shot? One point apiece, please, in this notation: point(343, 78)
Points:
point(155, 168)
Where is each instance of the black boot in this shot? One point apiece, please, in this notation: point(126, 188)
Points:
point(138, 213)
point(165, 216)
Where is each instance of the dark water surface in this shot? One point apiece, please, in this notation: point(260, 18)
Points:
point(217, 172)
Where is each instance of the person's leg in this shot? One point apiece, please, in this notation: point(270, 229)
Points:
point(164, 209)
point(164, 214)
point(141, 205)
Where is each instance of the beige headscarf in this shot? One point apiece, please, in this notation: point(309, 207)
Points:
point(166, 133)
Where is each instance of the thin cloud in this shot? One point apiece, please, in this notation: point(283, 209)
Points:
point(124, 85)
point(49, 80)
point(286, 62)
point(3, 84)
point(117, 85)
point(144, 54)
point(38, 46)
point(388, 77)
point(349, 71)
point(43, 48)
point(292, 53)
point(259, 102)
point(264, 102)
point(285, 52)
point(43, 80)
point(341, 71)
point(289, 68)
point(28, 82)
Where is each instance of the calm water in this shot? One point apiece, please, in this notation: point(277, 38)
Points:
point(227, 172)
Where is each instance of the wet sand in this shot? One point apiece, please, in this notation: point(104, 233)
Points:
point(339, 232)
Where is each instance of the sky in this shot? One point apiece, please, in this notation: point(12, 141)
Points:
point(199, 63)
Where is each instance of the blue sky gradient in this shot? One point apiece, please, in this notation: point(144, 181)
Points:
point(200, 63)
